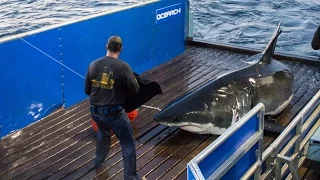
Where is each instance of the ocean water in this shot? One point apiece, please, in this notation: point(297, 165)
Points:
point(248, 23)
point(251, 23)
point(18, 16)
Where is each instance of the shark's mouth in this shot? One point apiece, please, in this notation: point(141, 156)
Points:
point(208, 128)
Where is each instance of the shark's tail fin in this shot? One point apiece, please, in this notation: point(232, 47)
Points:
point(268, 52)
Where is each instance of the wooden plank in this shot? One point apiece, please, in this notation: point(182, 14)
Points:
point(155, 156)
point(6, 142)
point(304, 169)
point(313, 172)
point(173, 158)
point(37, 133)
point(54, 137)
point(181, 166)
point(181, 176)
point(154, 137)
point(43, 154)
point(51, 162)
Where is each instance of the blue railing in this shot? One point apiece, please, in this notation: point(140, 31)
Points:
point(288, 152)
point(234, 152)
point(237, 154)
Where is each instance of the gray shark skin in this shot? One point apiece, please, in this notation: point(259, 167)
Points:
point(214, 107)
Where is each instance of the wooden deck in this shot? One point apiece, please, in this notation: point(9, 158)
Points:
point(310, 170)
point(62, 145)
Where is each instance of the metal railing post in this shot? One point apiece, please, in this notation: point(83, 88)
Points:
point(270, 164)
point(257, 173)
point(278, 169)
point(298, 133)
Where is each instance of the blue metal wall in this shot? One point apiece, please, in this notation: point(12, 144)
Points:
point(212, 161)
point(33, 84)
point(146, 44)
point(223, 152)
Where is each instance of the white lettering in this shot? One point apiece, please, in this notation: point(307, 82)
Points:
point(168, 13)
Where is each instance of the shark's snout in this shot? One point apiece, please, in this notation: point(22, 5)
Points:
point(165, 117)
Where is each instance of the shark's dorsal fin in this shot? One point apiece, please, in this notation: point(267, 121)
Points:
point(268, 52)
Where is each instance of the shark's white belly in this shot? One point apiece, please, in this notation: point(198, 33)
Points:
point(203, 129)
point(281, 107)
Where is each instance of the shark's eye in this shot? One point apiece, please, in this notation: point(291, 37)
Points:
point(175, 118)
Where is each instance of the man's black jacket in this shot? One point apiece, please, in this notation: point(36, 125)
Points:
point(148, 89)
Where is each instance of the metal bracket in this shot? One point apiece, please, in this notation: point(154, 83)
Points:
point(257, 174)
point(292, 163)
point(270, 165)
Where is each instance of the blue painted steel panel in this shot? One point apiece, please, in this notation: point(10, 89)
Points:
point(242, 165)
point(190, 175)
point(168, 13)
point(223, 152)
point(138, 43)
point(146, 44)
point(153, 44)
point(31, 82)
point(170, 39)
point(82, 43)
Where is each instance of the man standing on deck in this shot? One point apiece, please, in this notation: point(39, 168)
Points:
point(108, 82)
point(316, 40)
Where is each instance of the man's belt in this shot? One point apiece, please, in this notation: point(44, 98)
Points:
point(103, 110)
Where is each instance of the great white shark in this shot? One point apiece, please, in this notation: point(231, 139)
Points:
point(214, 107)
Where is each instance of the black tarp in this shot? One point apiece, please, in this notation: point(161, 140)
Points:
point(148, 89)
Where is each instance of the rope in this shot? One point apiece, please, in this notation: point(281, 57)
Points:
point(52, 58)
point(149, 107)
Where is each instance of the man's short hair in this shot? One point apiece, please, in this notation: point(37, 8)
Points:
point(114, 44)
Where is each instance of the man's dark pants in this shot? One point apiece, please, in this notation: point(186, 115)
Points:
point(121, 126)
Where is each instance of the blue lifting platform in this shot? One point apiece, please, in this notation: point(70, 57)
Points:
point(45, 118)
